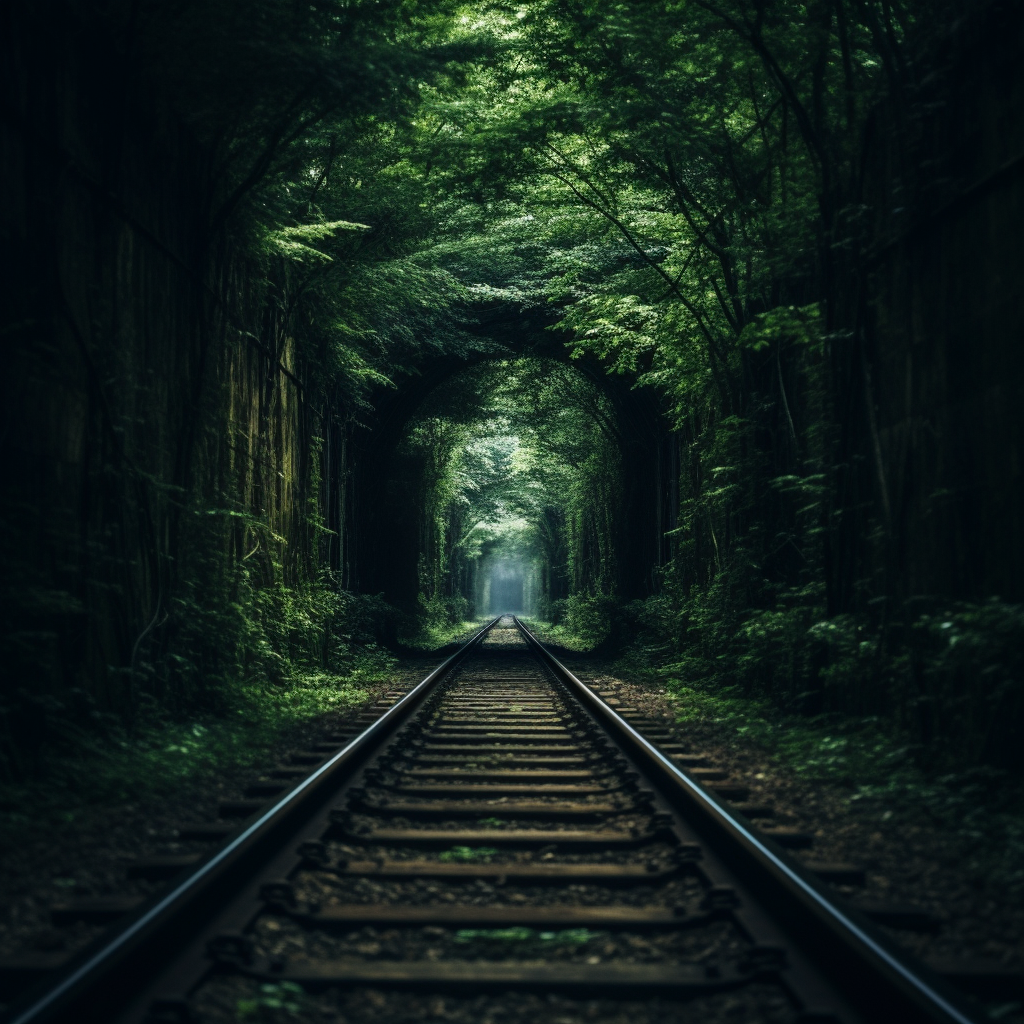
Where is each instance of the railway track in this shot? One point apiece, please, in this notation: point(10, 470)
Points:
point(498, 844)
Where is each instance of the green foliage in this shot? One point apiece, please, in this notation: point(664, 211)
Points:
point(579, 622)
point(528, 937)
point(676, 191)
point(439, 625)
point(879, 766)
point(514, 461)
point(953, 673)
point(947, 680)
point(242, 621)
point(294, 243)
point(276, 1002)
point(466, 854)
point(242, 660)
point(101, 762)
point(681, 196)
point(785, 324)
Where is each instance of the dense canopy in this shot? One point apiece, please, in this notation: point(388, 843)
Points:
point(594, 308)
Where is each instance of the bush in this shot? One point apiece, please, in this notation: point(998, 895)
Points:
point(949, 679)
point(964, 671)
point(552, 611)
point(589, 619)
point(438, 622)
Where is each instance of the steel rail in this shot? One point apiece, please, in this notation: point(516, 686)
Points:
point(913, 993)
point(151, 924)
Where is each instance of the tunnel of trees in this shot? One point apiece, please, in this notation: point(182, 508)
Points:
point(691, 325)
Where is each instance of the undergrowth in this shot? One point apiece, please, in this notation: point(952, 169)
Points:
point(561, 634)
point(159, 755)
point(528, 937)
point(585, 622)
point(438, 624)
point(876, 765)
point(241, 665)
point(879, 769)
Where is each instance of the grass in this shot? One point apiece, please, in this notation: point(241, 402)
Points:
point(567, 937)
point(102, 763)
point(560, 635)
point(276, 1001)
point(465, 854)
point(880, 772)
point(160, 755)
point(431, 635)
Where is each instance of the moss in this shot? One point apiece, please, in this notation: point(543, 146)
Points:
point(529, 936)
point(467, 853)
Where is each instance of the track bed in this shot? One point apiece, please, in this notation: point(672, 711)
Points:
point(498, 846)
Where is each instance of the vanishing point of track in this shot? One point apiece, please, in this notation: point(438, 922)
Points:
point(498, 831)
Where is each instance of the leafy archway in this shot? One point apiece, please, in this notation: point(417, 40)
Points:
point(507, 485)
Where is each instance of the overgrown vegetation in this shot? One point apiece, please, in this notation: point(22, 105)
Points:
point(948, 671)
point(259, 663)
point(276, 1001)
point(100, 761)
point(526, 939)
point(876, 764)
point(688, 193)
point(682, 192)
